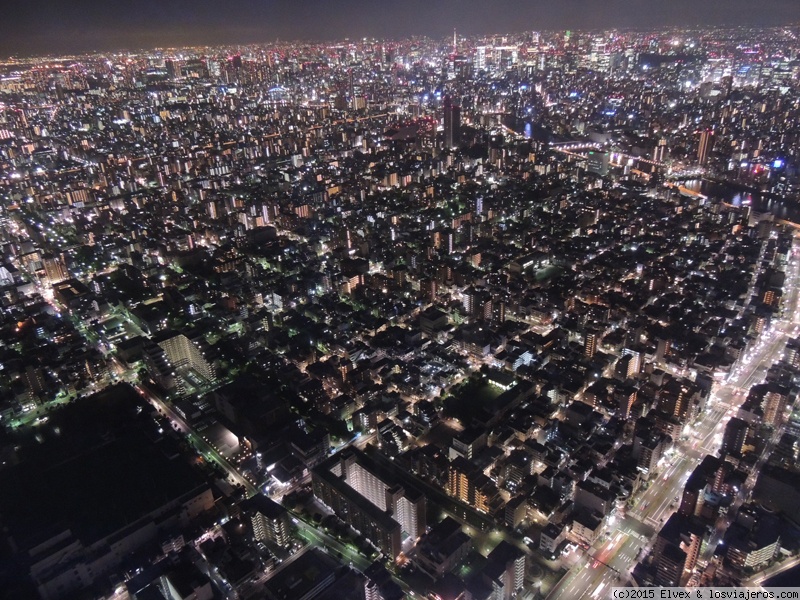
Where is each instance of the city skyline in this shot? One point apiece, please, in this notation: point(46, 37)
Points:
point(53, 27)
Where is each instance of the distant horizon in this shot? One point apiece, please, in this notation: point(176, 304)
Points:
point(398, 39)
point(48, 28)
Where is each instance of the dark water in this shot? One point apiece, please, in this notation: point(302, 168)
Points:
point(788, 578)
point(785, 209)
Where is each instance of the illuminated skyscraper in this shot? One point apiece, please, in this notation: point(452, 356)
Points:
point(774, 407)
point(706, 142)
point(480, 58)
point(183, 352)
point(660, 152)
point(590, 345)
point(269, 520)
point(635, 364)
point(452, 123)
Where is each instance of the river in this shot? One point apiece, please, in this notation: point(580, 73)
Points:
point(785, 209)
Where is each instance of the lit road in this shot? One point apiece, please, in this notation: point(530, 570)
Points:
point(306, 531)
point(317, 537)
point(203, 447)
point(758, 579)
point(606, 564)
point(610, 561)
point(349, 554)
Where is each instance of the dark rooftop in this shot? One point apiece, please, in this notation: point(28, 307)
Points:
point(93, 479)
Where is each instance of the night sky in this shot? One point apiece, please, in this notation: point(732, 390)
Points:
point(45, 26)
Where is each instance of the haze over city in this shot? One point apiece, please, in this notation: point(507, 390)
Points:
point(53, 26)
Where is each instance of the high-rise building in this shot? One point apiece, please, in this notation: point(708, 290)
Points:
point(706, 143)
point(774, 407)
point(444, 240)
point(480, 58)
point(626, 397)
point(754, 539)
point(350, 484)
point(735, 436)
point(183, 352)
point(598, 163)
point(467, 483)
point(442, 548)
point(634, 365)
point(680, 400)
point(505, 570)
point(648, 447)
point(34, 380)
point(54, 268)
point(677, 548)
point(477, 303)
point(173, 68)
point(452, 123)
point(590, 345)
point(660, 152)
point(708, 476)
point(792, 355)
point(498, 310)
point(458, 480)
point(372, 591)
point(670, 564)
point(269, 519)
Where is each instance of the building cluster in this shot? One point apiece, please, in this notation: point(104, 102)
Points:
point(462, 303)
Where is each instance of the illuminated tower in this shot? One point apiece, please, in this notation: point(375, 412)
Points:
point(704, 149)
point(270, 521)
point(774, 407)
point(351, 85)
point(458, 481)
point(590, 345)
point(480, 58)
point(635, 363)
point(660, 152)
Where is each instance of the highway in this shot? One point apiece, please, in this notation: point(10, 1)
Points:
point(610, 561)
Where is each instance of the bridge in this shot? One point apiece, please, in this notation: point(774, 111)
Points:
point(685, 191)
point(573, 149)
